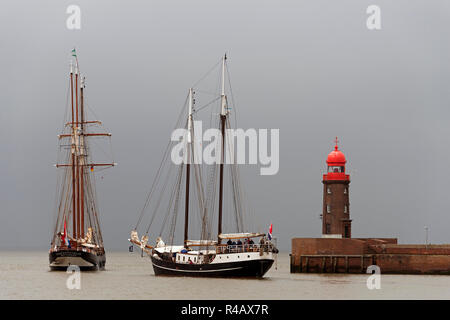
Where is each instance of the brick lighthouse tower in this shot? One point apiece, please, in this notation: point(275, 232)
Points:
point(336, 221)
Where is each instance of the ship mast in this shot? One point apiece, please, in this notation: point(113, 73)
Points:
point(82, 155)
point(74, 221)
point(188, 167)
point(78, 160)
point(77, 152)
point(223, 118)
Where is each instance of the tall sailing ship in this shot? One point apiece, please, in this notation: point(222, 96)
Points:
point(77, 238)
point(235, 252)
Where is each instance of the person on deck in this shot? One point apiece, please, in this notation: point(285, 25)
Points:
point(233, 246)
point(251, 244)
point(228, 248)
point(262, 241)
point(246, 244)
point(239, 245)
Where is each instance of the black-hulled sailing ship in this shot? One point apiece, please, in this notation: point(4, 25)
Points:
point(77, 238)
point(238, 252)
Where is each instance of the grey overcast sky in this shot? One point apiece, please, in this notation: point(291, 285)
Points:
point(310, 68)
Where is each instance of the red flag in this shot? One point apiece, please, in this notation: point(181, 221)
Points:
point(270, 232)
point(63, 236)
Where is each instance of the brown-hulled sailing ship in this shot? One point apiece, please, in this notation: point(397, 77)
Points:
point(77, 238)
point(234, 252)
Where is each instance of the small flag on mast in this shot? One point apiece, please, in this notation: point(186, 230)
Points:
point(269, 235)
point(74, 54)
point(64, 235)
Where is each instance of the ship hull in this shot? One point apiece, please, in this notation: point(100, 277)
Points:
point(86, 261)
point(249, 269)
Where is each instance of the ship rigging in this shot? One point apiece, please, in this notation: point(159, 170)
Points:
point(77, 238)
point(237, 252)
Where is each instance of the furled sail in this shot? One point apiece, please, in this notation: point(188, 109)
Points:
point(240, 235)
point(201, 242)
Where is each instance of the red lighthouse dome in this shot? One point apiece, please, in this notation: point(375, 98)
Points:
point(336, 157)
point(336, 165)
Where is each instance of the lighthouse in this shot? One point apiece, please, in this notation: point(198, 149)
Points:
point(336, 222)
point(338, 252)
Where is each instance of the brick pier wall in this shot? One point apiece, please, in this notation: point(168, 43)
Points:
point(355, 255)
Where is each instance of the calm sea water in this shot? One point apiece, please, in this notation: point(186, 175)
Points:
point(25, 275)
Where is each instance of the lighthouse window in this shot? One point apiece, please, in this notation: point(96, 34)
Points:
point(335, 169)
point(328, 228)
point(328, 190)
point(345, 209)
point(328, 208)
point(345, 190)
